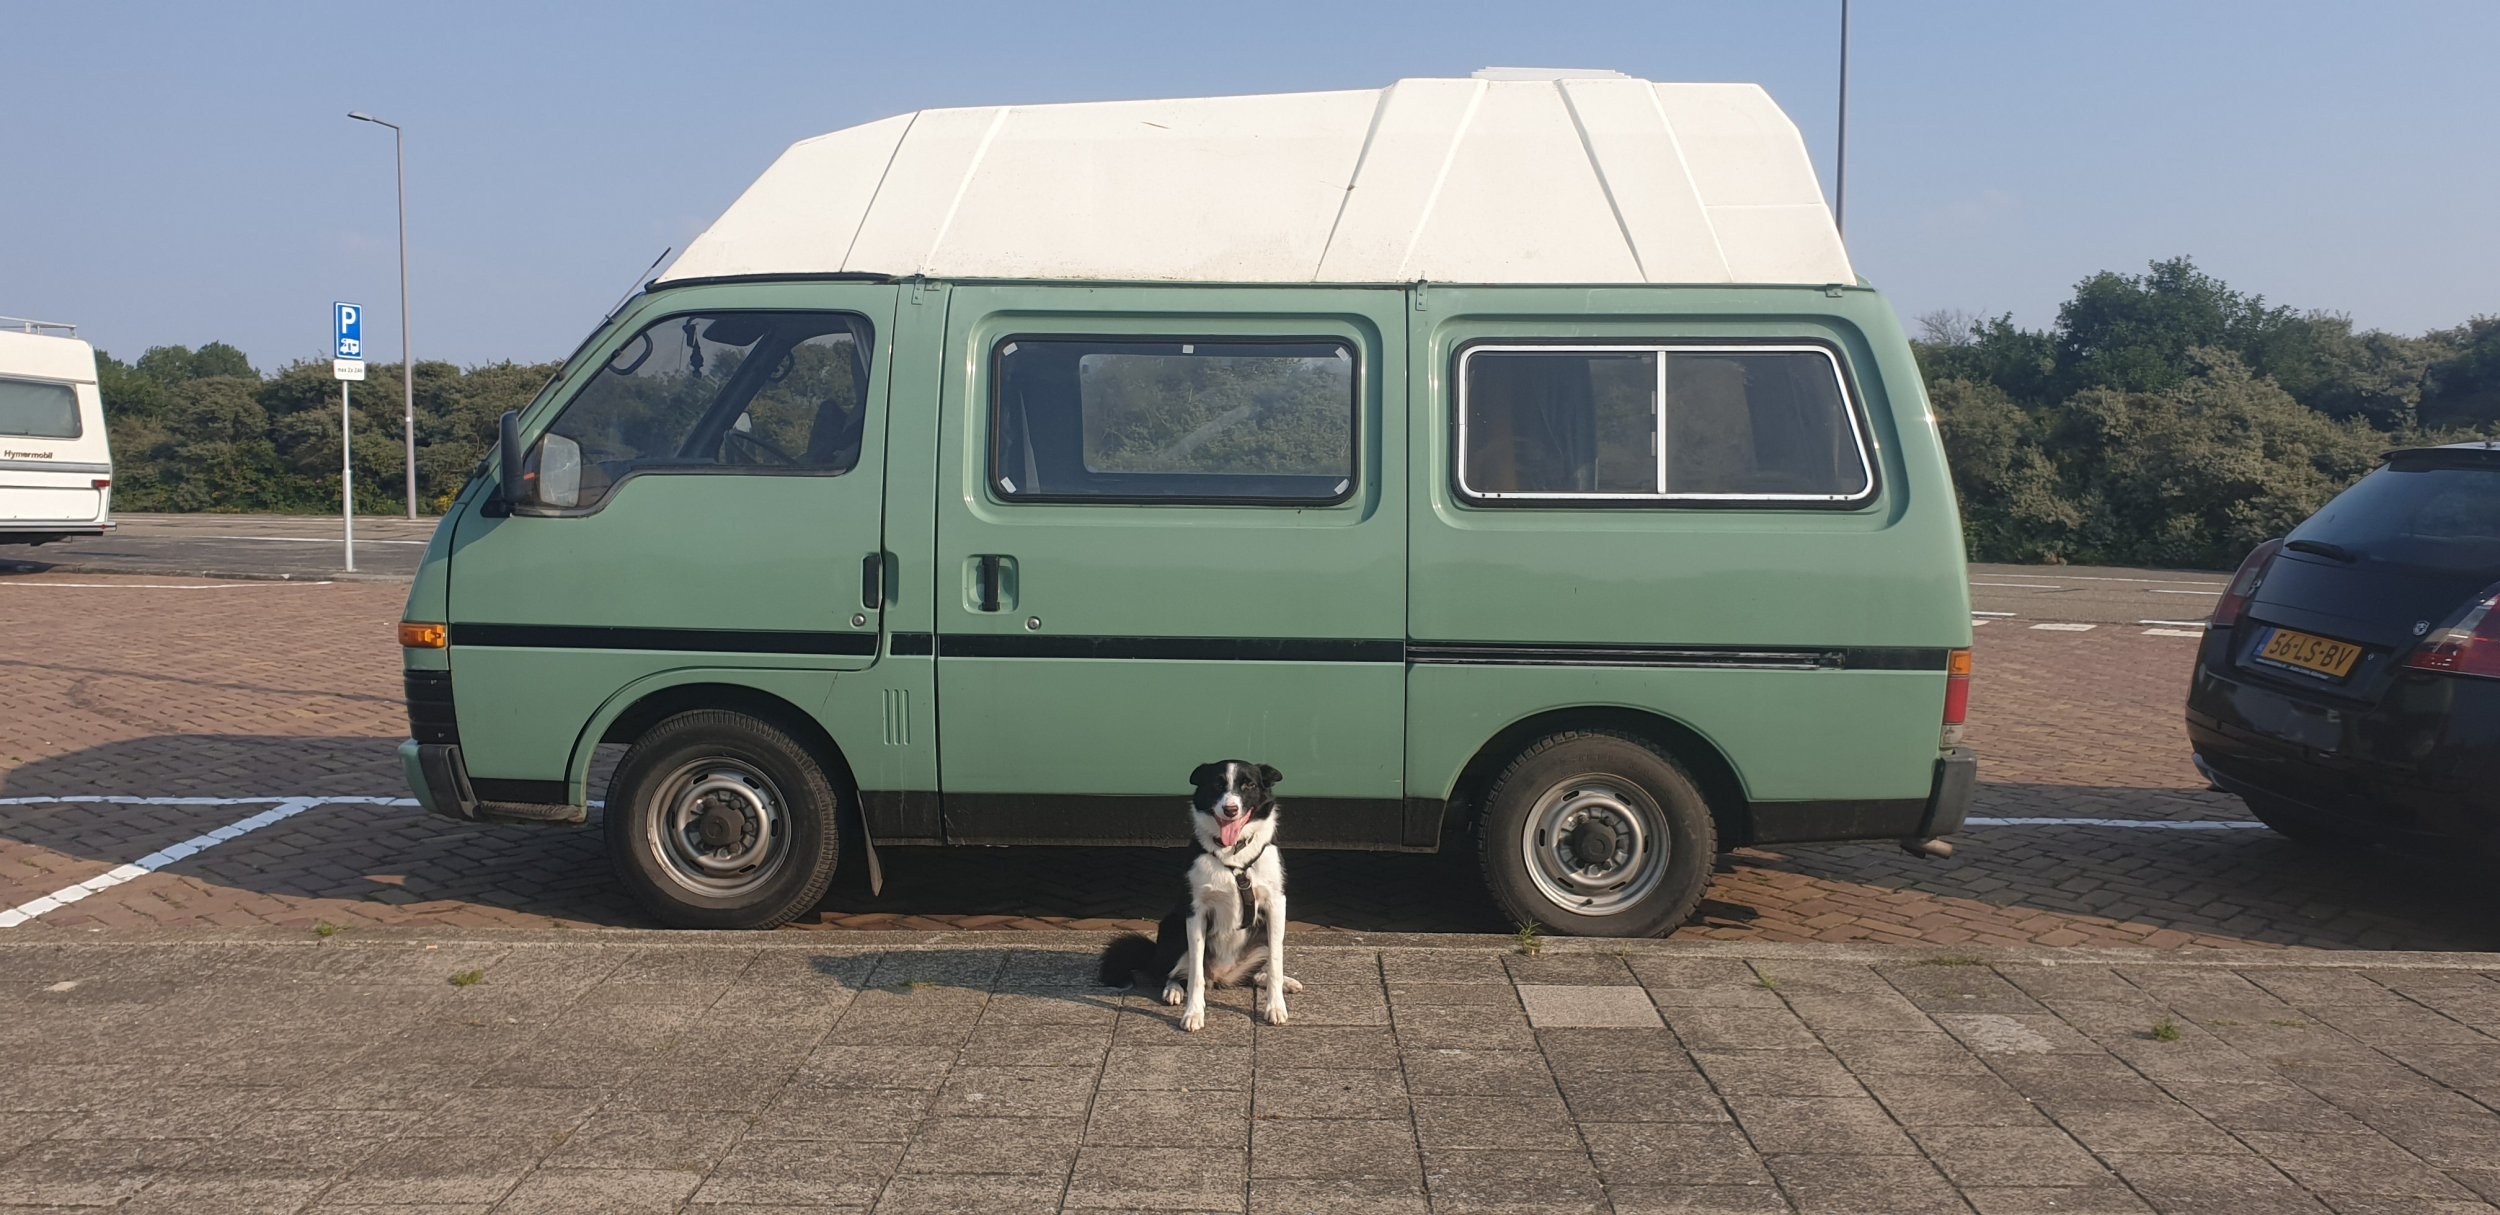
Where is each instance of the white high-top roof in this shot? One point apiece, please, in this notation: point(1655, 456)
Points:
point(1574, 179)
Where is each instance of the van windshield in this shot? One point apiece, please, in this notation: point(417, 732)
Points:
point(37, 409)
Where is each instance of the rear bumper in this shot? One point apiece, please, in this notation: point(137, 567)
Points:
point(36, 531)
point(1941, 812)
point(2420, 769)
point(1948, 803)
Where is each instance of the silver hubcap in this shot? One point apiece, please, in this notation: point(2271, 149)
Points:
point(720, 829)
point(1595, 846)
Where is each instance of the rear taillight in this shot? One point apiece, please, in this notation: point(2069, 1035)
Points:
point(1956, 696)
point(2469, 645)
point(2244, 584)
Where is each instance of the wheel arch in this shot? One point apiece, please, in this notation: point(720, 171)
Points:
point(647, 702)
point(1720, 783)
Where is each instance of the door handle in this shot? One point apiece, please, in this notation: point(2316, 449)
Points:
point(989, 563)
point(872, 581)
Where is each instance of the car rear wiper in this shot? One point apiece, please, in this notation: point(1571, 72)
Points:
point(2334, 552)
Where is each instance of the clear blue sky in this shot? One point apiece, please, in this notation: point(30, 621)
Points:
point(185, 173)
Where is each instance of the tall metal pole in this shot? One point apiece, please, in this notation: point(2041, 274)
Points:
point(347, 475)
point(1840, 159)
point(407, 359)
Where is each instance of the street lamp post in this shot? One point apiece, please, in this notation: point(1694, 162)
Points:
point(1840, 156)
point(407, 360)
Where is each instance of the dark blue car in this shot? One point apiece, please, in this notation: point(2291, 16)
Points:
point(2349, 687)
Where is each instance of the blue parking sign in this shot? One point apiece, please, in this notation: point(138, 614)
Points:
point(350, 329)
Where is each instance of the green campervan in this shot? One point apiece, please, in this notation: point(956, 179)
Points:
point(1514, 462)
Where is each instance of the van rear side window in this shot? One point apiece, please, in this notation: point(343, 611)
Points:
point(35, 409)
point(1173, 420)
point(1656, 423)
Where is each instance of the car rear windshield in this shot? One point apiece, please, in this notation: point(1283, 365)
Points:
point(37, 410)
point(2421, 514)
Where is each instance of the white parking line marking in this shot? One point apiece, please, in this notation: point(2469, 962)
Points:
point(280, 809)
point(2174, 632)
point(2107, 578)
point(2022, 586)
point(2150, 824)
point(1979, 613)
point(303, 540)
point(2215, 593)
point(173, 586)
point(2176, 624)
point(1976, 623)
point(2063, 627)
point(153, 861)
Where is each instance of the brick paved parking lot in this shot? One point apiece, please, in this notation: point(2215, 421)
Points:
point(168, 687)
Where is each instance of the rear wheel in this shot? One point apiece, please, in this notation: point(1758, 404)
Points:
point(1594, 833)
point(721, 820)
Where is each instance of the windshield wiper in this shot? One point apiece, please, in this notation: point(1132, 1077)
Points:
point(2334, 552)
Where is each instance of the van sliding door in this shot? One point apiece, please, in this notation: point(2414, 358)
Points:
point(1171, 529)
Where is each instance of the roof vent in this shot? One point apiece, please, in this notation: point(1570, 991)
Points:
point(1532, 73)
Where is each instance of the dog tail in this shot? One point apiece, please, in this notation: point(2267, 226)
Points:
point(1124, 957)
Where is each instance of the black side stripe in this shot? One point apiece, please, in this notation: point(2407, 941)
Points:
point(1834, 658)
point(1172, 649)
point(715, 641)
point(1275, 649)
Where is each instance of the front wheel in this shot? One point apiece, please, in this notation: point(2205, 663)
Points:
point(721, 820)
point(1594, 833)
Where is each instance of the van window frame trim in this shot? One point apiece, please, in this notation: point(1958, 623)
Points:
point(1860, 429)
point(993, 454)
point(658, 317)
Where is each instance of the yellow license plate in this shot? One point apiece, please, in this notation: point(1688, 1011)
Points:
point(2302, 652)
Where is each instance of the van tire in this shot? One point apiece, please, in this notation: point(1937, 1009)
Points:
point(1593, 785)
point(705, 779)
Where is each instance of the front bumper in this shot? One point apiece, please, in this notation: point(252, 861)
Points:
point(440, 779)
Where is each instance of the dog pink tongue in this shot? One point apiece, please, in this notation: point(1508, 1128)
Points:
point(1231, 830)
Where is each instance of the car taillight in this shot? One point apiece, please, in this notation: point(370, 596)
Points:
point(2244, 584)
point(2470, 645)
point(1956, 696)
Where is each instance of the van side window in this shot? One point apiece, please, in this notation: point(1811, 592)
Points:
point(35, 409)
point(1172, 420)
point(1658, 423)
point(751, 392)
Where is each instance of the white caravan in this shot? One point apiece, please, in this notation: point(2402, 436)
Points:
point(56, 468)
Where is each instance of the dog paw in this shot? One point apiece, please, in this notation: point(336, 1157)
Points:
point(1293, 985)
point(1174, 993)
point(1275, 1012)
point(1194, 1020)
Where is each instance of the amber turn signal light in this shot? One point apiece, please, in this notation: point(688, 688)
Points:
point(423, 636)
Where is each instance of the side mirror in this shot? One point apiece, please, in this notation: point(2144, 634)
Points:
point(511, 488)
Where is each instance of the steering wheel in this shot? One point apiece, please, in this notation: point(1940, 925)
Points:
point(761, 448)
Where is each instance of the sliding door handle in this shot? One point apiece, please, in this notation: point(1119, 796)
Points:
point(872, 581)
point(989, 582)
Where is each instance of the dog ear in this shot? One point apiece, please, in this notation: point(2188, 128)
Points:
point(1270, 775)
point(1198, 775)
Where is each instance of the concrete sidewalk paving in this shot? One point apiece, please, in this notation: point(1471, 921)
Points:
point(604, 1071)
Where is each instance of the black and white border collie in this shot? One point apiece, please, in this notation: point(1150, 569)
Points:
point(1236, 893)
